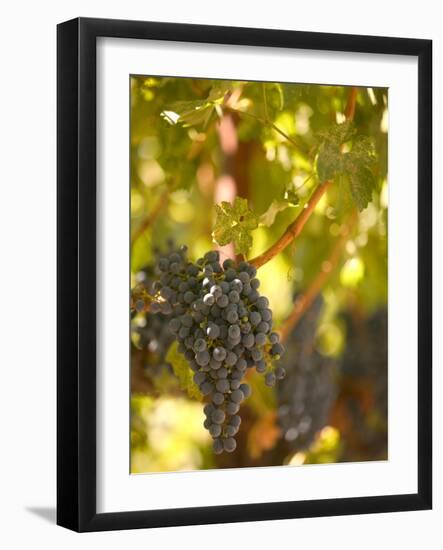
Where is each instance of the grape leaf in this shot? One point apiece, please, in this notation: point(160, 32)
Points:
point(234, 223)
point(291, 95)
point(356, 165)
point(290, 200)
point(218, 91)
point(363, 151)
point(189, 113)
point(141, 251)
point(328, 160)
point(268, 217)
point(339, 133)
point(362, 184)
point(273, 96)
point(345, 198)
point(196, 112)
point(183, 372)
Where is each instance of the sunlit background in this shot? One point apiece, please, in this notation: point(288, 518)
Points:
point(260, 142)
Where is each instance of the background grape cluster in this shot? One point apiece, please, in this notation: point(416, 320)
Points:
point(149, 331)
point(364, 385)
point(310, 388)
point(223, 327)
point(366, 353)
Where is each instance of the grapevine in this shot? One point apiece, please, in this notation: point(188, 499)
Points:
point(279, 174)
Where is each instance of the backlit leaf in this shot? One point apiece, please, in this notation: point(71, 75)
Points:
point(183, 372)
point(290, 201)
point(234, 223)
point(328, 160)
point(352, 169)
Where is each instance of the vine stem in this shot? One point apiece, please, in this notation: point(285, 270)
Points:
point(268, 122)
point(265, 101)
point(350, 105)
point(294, 229)
point(305, 300)
point(150, 219)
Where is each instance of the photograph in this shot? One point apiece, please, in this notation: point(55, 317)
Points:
point(258, 274)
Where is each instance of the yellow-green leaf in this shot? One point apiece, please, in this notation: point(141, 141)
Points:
point(183, 372)
point(234, 223)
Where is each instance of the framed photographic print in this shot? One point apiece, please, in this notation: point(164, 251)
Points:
point(244, 274)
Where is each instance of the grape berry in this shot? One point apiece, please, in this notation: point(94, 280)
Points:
point(223, 327)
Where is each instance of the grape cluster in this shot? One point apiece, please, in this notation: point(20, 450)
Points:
point(367, 335)
point(306, 398)
point(149, 331)
point(378, 328)
point(366, 355)
point(223, 326)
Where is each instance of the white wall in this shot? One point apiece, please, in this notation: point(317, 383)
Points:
point(27, 270)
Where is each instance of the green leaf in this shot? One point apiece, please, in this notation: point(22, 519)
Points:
point(234, 223)
point(242, 242)
point(362, 184)
point(345, 198)
point(183, 372)
point(218, 91)
point(268, 217)
point(353, 169)
point(328, 160)
point(291, 200)
point(189, 113)
point(363, 151)
point(339, 133)
point(196, 112)
point(141, 252)
point(357, 164)
point(273, 94)
point(290, 95)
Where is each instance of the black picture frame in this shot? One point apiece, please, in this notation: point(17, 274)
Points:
point(76, 281)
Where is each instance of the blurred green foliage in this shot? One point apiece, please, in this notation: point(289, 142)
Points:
point(232, 164)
